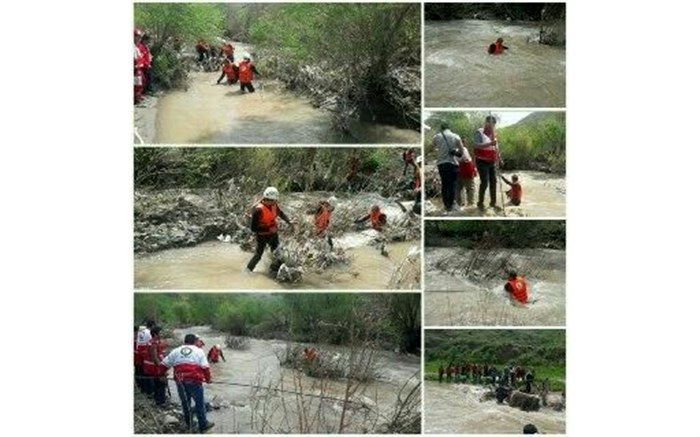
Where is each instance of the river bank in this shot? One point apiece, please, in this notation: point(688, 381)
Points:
point(253, 392)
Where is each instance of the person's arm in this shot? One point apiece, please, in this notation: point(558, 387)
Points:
point(254, 220)
point(221, 352)
point(506, 181)
point(254, 70)
point(283, 216)
point(478, 138)
point(504, 47)
point(221, 78)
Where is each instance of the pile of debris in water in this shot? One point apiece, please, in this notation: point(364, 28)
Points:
point(328, 364)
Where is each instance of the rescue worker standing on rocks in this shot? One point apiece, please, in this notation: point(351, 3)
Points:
point(140, 65)
point(264, 224)
point(152, 369)
point(142, 344)
point(191, 369)
point(377, 219)
point(214, 353)
point(322, 218)
point(246, 74)
point(487, 157)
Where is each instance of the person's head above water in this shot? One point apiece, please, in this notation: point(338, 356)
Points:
point(512, 275)
point(190, 339)
point(530, 429)
point(375, 208)
point(499, 40)
point(514, 178)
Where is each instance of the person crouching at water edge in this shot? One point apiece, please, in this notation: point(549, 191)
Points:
point(322, 218)
point(264, 224)
point(487, 157)
point(229, 71)
point(214, 353)
point(191, 369)
point(496, 48)
point(515, 194)
point(377, 219)
point(517, 289)
point(450, 149)
point(246, 74)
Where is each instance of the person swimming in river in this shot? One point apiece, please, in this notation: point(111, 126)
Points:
point(515, 194)
point(376, 218)
point(517, 289)
point(496, 48)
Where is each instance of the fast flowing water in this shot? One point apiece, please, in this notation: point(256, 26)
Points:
point(245, 409)
point(457, 409)
point(544, 195)
point(460, 73)
point(215, 265)
point(454, 299)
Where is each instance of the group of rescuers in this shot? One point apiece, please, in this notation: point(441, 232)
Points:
point(242, 72)
point(267, 211)
point(191, 368)
point(458, 170)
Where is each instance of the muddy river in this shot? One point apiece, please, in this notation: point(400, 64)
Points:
point(544, 195)
point(460, 73)
point(247, 410)
point(207, 113)
point(215, 266)
point(453, 298)
point(457, 409)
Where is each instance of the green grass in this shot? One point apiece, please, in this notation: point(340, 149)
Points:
point(556, 374)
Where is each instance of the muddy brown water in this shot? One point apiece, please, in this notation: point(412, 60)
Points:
point(457, 409)
point(460, 73)
point(244, 409)
point(216, 265)
point(544, 195)
point(453, 299)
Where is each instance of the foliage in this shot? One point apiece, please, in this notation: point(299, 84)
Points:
point(289, 169)
point(302, 317)
point(501, 11)
point(497, 233)
point(537, 142)
point(172, 25)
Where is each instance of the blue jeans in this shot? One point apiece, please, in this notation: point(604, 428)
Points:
point(188, 391)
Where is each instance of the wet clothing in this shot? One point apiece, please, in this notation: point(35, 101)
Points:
point(518, 289)
point(496, 48)
point(214, 354)
point(247, 86)
point(230, 71)
point(246, 72)
point(262, 241)
point(264, 218)
point(322, 218)
point(515, 194)
point(375, 219)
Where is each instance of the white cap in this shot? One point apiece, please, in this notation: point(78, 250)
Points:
point(271, 193)
point(218, 346)
point(419, 160)
point(333, 201)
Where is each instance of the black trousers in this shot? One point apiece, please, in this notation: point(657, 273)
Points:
point(159, 387)
point(448, 180)
point(263, 240)
point(248, 86)
point(487, 178)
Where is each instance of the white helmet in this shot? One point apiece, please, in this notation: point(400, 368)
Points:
point(419, 160)
point(218, 346)
point(271, 193)
point(333, 201)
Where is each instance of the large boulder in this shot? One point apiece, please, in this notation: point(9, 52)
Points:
point(524, 401)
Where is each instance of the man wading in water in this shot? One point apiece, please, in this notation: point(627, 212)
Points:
point(487, 156)
point(449, 148)
point(264, 224)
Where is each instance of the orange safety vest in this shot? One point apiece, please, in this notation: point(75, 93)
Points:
point(487, 154)
point(518, 288)
point(516, 192)
point(213, 355)
point(374, 218)
point(245, 72)
point(267, 220)
point(322, 219)
point(498, 48)
point(230, 72)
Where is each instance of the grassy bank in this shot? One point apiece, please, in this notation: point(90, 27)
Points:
point(473, 234)
point(537, 142)
point(542, 351)
point(392, 320)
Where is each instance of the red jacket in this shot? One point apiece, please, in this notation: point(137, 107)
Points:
point(518, 288)
point(245, 72)
point(189, 363)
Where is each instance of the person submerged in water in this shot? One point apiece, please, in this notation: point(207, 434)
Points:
point(376, 218)
point(496, 48)
point(515, 194)
point(517, 289)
